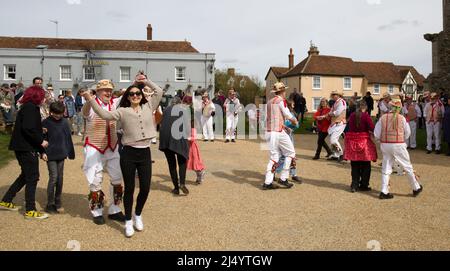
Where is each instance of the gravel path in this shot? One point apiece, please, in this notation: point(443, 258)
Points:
point(230, 211)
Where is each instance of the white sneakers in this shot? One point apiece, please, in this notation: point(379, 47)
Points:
point(129, 230)
point(138, 224)
point(135, 223)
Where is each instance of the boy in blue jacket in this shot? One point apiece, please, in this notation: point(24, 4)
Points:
point(58, 134)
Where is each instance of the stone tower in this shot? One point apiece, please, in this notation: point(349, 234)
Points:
point(439, 79)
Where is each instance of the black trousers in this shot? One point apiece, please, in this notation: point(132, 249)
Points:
point(172, 158)
point(133, 159)
point(321, 143)
point(29, 177)
point(361, 171)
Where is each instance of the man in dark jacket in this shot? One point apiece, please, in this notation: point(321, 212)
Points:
point(369, 102)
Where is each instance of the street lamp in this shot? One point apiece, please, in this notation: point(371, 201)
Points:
point(42, 48)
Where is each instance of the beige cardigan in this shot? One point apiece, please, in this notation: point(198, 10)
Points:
point(136, 126)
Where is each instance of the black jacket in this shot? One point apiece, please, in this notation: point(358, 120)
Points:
point(27, 134)
point(166, 138)
point(60, 145)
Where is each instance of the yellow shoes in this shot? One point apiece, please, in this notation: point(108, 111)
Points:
point(8, 206)
point(35, 215)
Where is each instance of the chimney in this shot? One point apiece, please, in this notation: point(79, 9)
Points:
point(231, 72)
point(313, 50)
point(291, 60)
point(149, 32)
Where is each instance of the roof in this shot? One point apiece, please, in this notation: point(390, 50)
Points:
point(326, 65)
point(297, 70)
point(277, 71)
point(381, 73)
point(417, 76)
point(98, 44)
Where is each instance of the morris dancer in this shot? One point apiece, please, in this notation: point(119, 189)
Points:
point(433, 113)
point(232, 107)
point(277, 138)
point(412, 112)
point(392, 130)
point(338, 123)
point(101, 153)
point(208, 112)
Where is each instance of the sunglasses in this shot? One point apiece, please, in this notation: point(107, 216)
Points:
point(135, 94)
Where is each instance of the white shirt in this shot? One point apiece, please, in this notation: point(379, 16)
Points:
point(378, 127)
point(405, 110)
point(339, 106)
point(236, 107)
point(437, 104)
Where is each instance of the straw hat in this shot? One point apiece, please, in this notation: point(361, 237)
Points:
point(396, 102)
point(337, 92)
point(105, 84)
point(386, 95)
point(279, 87)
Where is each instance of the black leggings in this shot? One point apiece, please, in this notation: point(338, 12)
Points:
point(361, 171)
point(322, 143)
point(29, 177)
point(133, 159)
point(172, 158)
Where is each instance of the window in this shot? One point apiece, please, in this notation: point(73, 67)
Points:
point(65, 72)
point(10, 72)
point(88, 73)
point(317, 82)
point(376, 89)
point(316, 103)
point(180, 73)
point(125, 74)
point(391, 89)
point(347, 83)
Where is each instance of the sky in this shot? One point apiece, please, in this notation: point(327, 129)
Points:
point(248, 35)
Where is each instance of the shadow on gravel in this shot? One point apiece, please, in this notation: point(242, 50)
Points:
point(75, 205)
point(253, 178)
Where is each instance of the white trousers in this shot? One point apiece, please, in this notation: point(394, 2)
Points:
point(232, 122)
point(396, 153)
point(207, 124)
point(279, 144)
point(94, 165)
point(335, 133)
point(411, 142)
point(434, 129)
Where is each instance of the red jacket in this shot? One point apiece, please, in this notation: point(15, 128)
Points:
point(323, 125)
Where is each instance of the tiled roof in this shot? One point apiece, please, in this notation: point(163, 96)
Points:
point(417, 76)
point(381, 73)
point(297, 70)
point(277, 71)
point(98, 45)
point(326, 65)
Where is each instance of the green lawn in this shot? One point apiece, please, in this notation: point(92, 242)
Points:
point(5, 154)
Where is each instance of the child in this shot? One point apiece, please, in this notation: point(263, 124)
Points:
point(290, 131)
point(58, 134)
point(195, 161)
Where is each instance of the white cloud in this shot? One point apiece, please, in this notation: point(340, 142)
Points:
point(373, 2)
point(73, 2)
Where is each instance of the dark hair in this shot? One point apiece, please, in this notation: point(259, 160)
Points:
point(34, 95)
point(125, 102)
point(13, 85)
point(37, 78)
point(57, 108)
point(60, 95)
point(359, 112)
